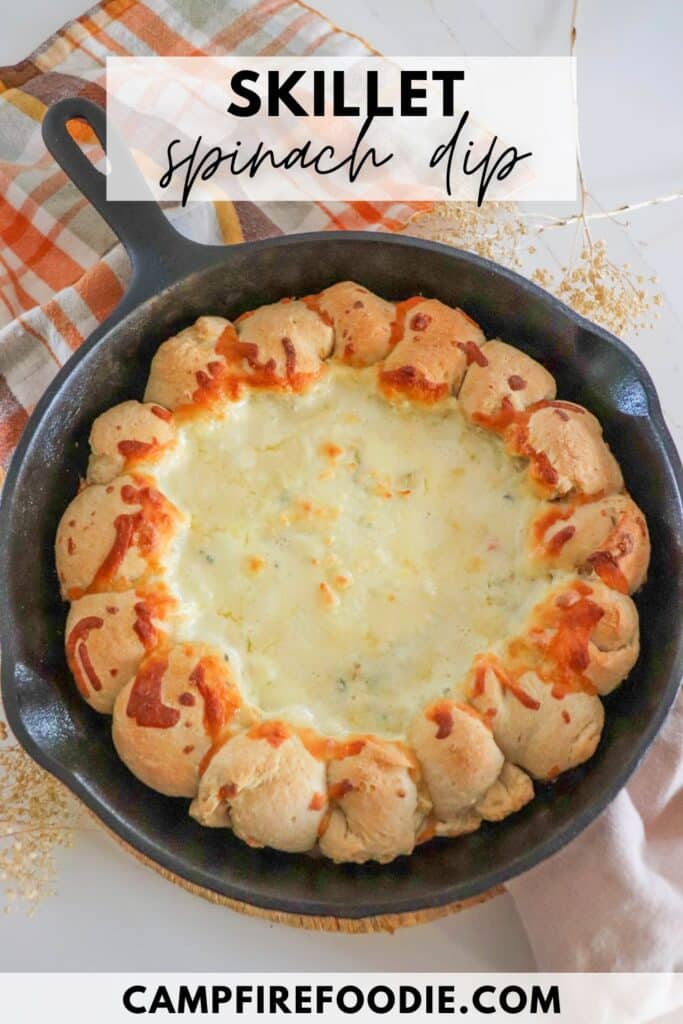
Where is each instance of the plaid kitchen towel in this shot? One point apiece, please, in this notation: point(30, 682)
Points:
point(61, 269)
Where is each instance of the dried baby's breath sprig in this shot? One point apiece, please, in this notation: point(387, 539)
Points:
point(591, 283)
point(493, 230)
point(617, 211)
point(37, 817)
point(604, 291)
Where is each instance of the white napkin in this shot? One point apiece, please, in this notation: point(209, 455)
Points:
point(613, 899)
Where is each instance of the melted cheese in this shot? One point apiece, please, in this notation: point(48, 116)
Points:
point(351, 555)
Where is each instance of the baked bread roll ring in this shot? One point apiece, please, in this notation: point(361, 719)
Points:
point(349, 577)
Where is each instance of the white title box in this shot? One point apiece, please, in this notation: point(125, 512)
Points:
point(355, 129)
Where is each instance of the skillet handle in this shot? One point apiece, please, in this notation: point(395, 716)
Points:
point(150, 240)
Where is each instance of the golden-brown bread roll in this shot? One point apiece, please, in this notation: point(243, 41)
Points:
point(376, 810)
point(536, 728)
point(583, 633)
point(504, 378)
point(361, 321)
point(509, 793)
point(282, 343)
point(189, 367)
point(566, 450)
point(433, 346)
point(125, 435)
point(107, 635)
point(458, 755)
point(113, 535)
point(608, 536)
point(267, 787)
point(614, 643)
point(180, 704)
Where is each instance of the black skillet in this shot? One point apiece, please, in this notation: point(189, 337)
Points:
point(174, 281)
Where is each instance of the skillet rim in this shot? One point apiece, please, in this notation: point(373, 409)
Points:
point(195, 258)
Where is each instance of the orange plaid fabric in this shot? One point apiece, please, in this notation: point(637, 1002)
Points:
point(61, 269)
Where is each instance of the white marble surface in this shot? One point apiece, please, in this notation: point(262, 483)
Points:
point(109, 912)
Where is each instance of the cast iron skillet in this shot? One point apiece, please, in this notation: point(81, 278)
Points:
point(174, 281)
